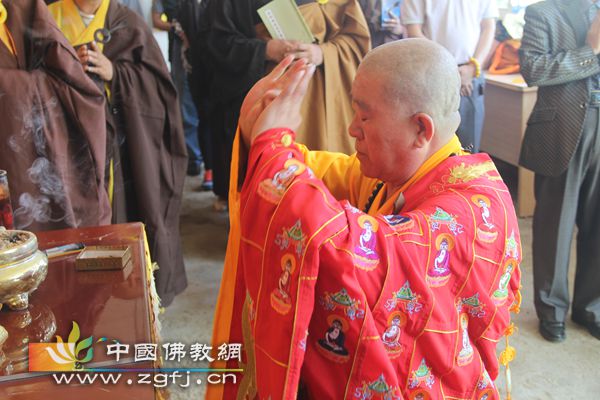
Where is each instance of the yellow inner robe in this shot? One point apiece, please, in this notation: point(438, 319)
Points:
point(66, 15)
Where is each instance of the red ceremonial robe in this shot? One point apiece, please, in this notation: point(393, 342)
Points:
point(352, 306)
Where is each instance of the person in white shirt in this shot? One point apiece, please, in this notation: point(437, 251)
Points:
point(466, 28)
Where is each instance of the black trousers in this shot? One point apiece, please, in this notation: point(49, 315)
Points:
point(563, 202)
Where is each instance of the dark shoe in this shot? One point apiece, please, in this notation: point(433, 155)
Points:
point(194, 169)
point(553, 331)
point(593, 327)
point(207, 186)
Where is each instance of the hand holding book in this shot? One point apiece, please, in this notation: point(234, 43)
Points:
point(312, 53)
point(277, 49)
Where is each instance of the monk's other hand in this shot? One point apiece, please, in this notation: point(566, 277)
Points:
point(277, 49)
point(98, 63)
point(255, 100)
point(283, 111)
point(312, 53)
point(82, 54)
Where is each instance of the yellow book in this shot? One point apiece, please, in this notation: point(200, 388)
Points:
point(283, 20)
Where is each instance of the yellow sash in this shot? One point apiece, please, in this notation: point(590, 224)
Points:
point(3, 13)
point(4, 32)
point(224, 307)
point(66, 15)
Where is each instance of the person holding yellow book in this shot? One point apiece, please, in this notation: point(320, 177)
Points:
point(242, 51)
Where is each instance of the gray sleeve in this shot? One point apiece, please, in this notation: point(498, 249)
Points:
point(539, 66)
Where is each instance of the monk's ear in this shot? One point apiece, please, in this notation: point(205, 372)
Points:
point(425, 129)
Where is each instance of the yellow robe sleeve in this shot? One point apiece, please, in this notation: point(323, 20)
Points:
point(4, 32)
point(6, 39)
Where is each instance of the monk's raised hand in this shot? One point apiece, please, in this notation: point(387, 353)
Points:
point(255, 100)
point(98, 63)
point(283, 111)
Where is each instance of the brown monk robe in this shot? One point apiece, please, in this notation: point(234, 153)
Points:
point(52, 129)
point(342, 35)
point(143, 112)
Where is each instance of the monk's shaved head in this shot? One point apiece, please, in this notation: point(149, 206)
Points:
point(422, 76)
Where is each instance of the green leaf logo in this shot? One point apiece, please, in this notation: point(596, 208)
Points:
point(69, 352)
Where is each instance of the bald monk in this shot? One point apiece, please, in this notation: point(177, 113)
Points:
point(148, 158)
point(52, 129)
point(413, 192)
